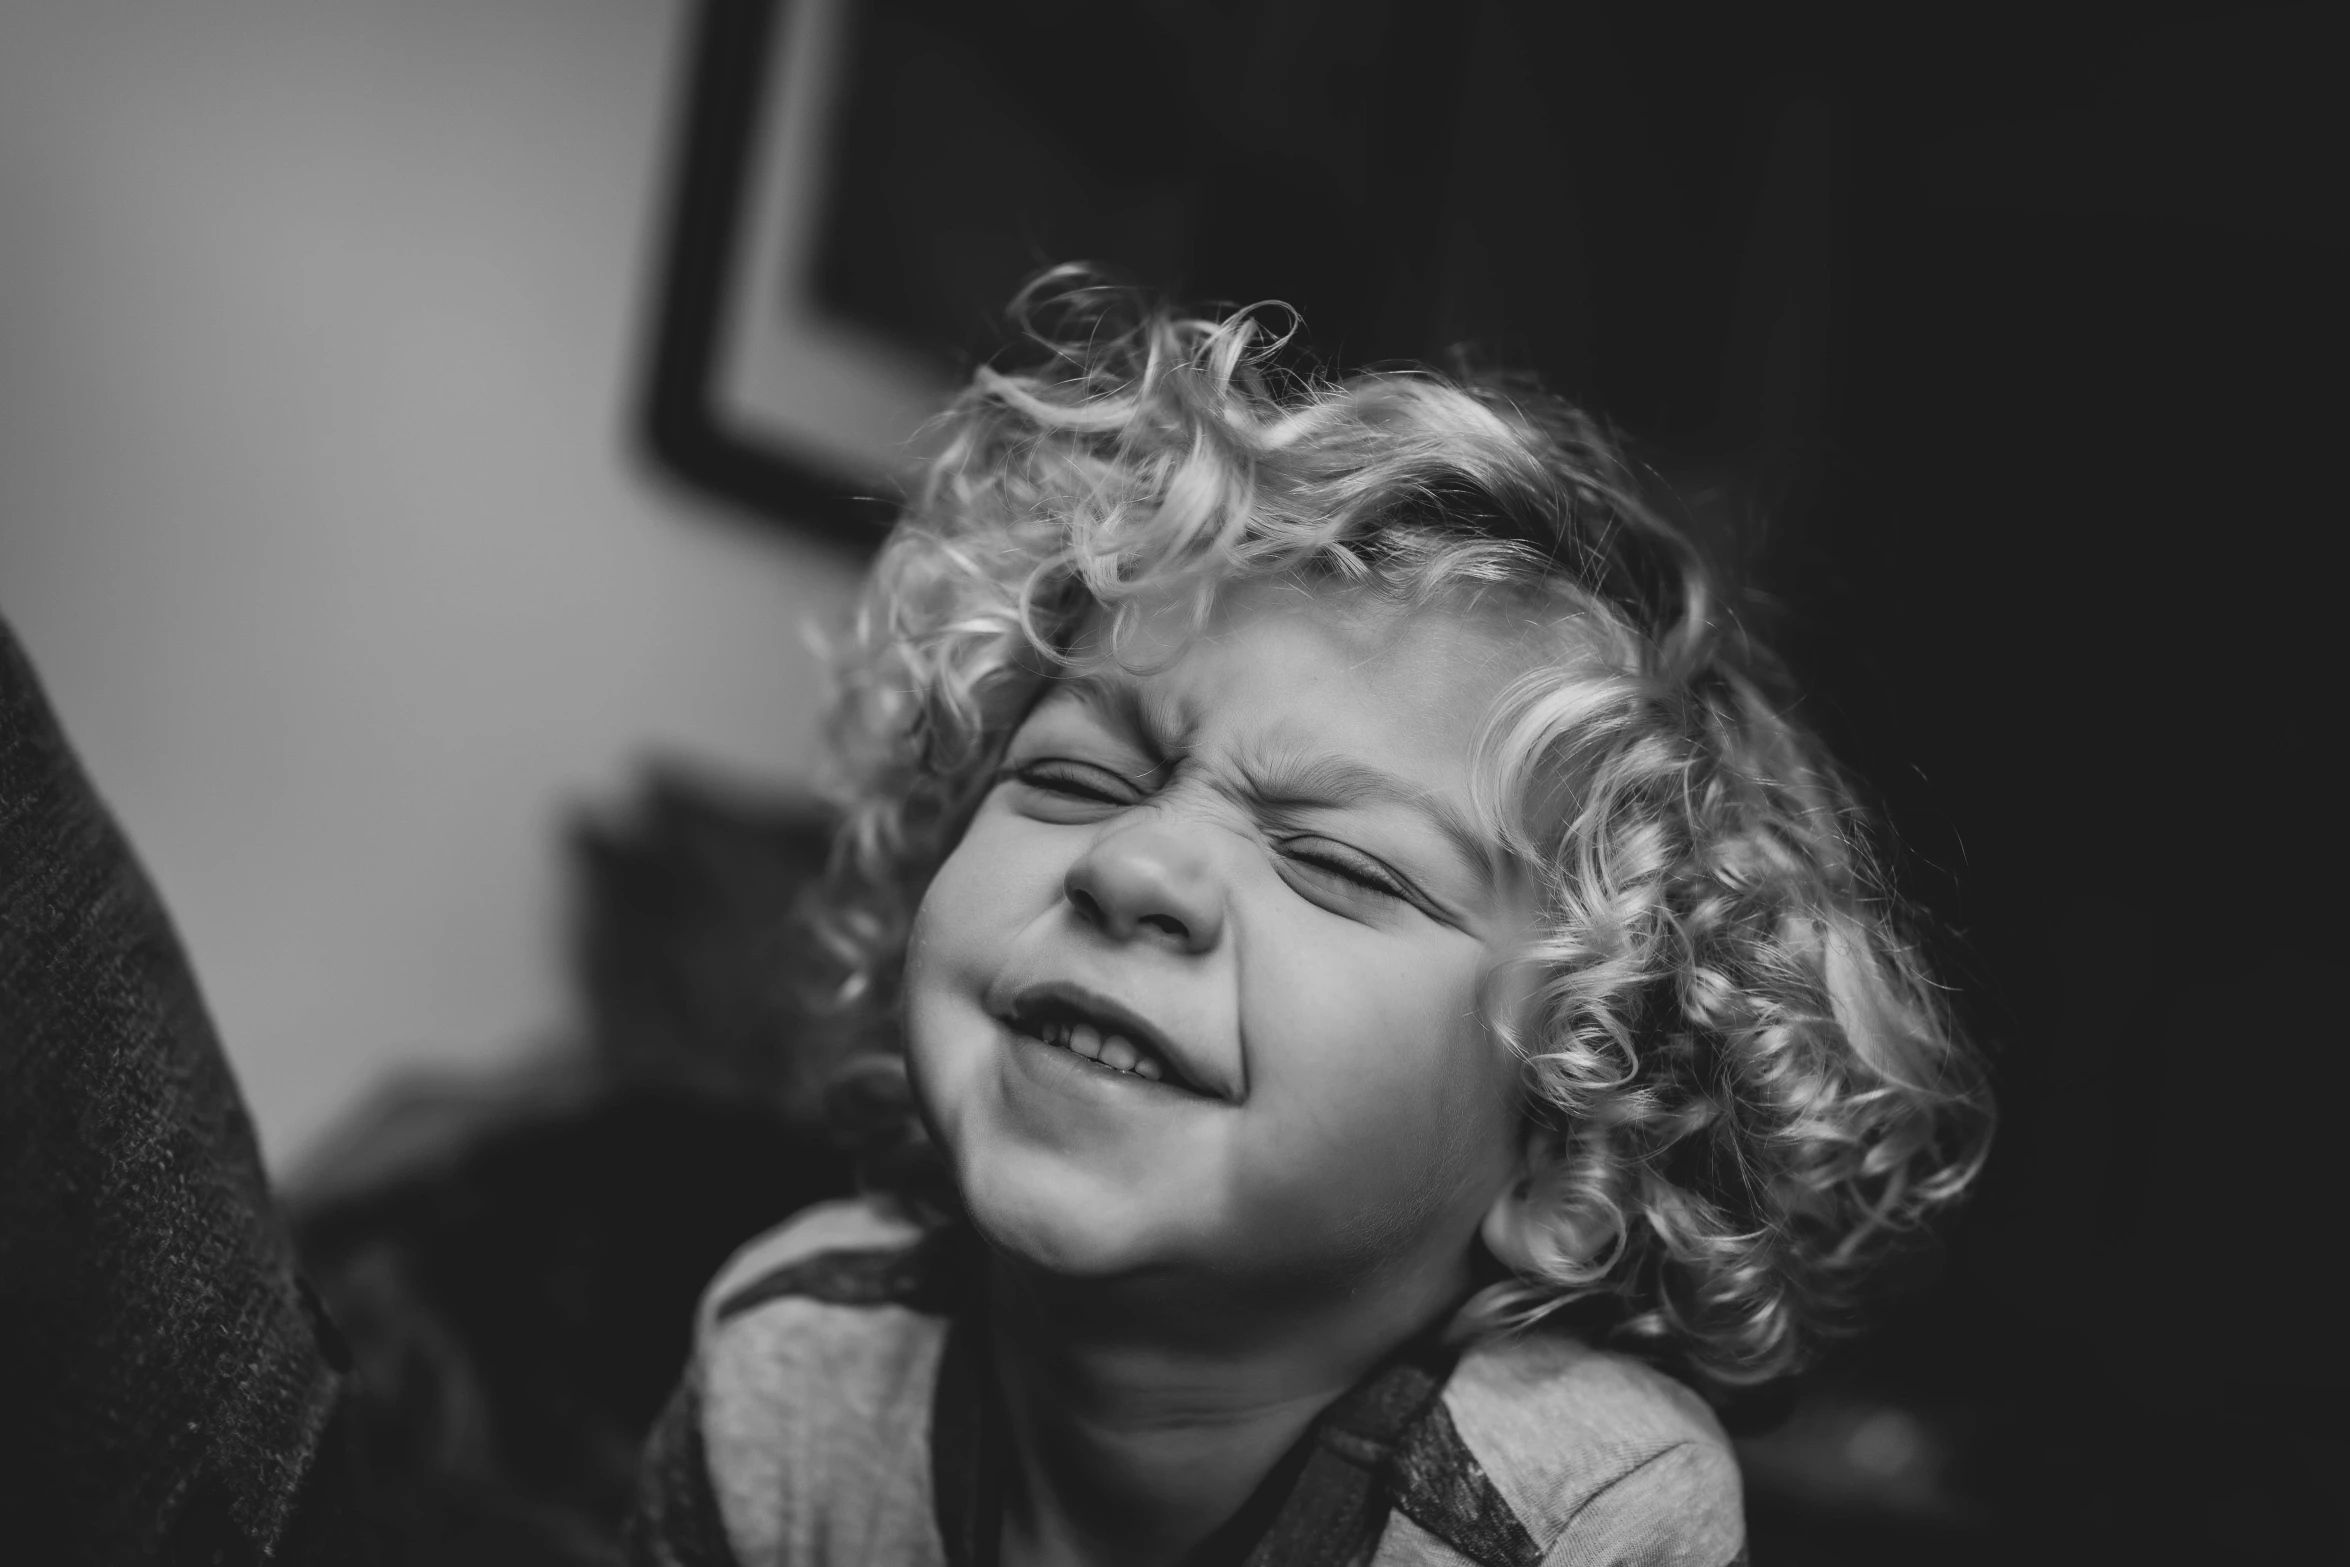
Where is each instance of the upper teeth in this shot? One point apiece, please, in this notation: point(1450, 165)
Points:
point(1111, 1050)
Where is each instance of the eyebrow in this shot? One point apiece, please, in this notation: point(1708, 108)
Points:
point(1291, 781)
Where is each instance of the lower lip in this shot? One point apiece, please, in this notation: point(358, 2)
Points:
point(1063, 1068)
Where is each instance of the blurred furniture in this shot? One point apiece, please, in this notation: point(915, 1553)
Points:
point(515, 1258)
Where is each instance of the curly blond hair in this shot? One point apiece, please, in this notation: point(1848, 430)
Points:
point(1740, 1084)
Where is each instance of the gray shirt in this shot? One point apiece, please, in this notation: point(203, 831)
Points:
point(818, 1428)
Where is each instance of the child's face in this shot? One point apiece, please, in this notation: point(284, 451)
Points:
point(1247, 861)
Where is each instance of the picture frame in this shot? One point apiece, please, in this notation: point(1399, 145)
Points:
point(753, 393)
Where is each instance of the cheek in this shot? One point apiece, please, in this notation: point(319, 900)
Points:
point(997, 881)
point(943, 946)
point(1394, 1105)
point(998, 875)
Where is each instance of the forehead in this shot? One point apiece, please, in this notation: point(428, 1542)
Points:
point(1285, 664)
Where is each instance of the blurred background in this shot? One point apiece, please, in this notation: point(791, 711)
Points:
point(425, 428)
point(319, 508)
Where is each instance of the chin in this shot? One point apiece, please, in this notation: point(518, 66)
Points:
point(1055, 1219)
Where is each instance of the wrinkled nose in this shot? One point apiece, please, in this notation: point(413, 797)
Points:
point(1148, 883)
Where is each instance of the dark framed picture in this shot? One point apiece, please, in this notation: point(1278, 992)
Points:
point(860, 186)
point(756, 393)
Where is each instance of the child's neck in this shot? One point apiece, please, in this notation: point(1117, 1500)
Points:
point(1134, 1434)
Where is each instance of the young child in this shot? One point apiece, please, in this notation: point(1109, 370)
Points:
point(1329, 888)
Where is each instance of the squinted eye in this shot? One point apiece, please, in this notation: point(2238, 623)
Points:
point(1323, 859)
point(1074, 781)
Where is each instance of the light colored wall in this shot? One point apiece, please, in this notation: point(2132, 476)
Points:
point(316, 512)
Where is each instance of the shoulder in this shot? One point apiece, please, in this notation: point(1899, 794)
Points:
point(1599, 1458)
point(815, 1364)
point(808, 1255)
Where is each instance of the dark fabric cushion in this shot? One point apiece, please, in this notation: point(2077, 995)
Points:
point(164, 1379)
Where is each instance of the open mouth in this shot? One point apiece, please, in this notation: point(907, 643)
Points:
point(1098, 1030)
